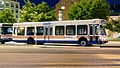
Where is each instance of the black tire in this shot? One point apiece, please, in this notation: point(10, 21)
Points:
point(30, 41)
point(83, 42)
point(2, 42)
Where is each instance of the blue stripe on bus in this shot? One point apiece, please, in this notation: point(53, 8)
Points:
point(50, 41)
point(59, 41)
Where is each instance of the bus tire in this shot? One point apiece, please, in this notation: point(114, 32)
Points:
point(30, 40)
point(2, 42)
point(83, 42)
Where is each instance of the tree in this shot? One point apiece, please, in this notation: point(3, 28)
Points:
point(36, 13)
point(89, 9)
point(6, 16)
point(44, 12)
point(113, 25)
point(27, 14)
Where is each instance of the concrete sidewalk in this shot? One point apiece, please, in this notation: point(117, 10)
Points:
point(111, 44)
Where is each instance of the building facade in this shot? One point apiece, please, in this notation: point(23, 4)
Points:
point(62, 8)
point(115, 7)
point(13, 5)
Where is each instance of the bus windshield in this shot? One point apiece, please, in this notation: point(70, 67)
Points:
point(102, 30)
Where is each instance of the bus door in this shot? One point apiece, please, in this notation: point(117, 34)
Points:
point(93, 32)
point(47, 33)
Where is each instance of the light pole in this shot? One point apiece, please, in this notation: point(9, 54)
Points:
point(60, 13)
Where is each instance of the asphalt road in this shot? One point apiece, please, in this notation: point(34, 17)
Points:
point(58, 57)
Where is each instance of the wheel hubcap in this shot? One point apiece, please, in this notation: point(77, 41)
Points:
point(83, 43)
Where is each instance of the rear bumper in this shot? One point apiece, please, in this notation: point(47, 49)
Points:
point(5, 39)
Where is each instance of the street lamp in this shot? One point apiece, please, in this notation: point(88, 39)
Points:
point(60, 13)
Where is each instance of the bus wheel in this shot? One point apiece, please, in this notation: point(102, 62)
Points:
point(83, 42)
point(30, 41)
point(2, 42)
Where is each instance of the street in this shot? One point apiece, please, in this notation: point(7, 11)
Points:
point(58, 57)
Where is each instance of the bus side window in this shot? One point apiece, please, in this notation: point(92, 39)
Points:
point(82, 30)
point(70, 30)
point(40, 30)
point(59, 30)
point(30, 30)
point(21, 31)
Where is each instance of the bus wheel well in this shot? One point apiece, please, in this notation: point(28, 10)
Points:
point(82, 38)
point(83, 41)
point(30, 40)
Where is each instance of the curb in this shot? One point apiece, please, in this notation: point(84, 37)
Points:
point(109, 46)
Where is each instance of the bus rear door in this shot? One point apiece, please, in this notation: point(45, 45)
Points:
point(47, 33)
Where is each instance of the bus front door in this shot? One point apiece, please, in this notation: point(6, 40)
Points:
point(47, 33)
point(94, 29)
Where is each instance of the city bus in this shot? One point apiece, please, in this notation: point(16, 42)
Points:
point(6, 32)
point(82, 32)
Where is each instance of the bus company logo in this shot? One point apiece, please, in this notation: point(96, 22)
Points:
point(47, 23)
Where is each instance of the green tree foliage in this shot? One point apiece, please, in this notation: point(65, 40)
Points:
point(113, 25)
point(89, 9)
point(36, 13)
point(6, 16)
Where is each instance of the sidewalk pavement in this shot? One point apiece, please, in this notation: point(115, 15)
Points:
point(111, 44)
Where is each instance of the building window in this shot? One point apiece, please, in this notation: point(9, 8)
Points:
point(12, 11)
point(7, 4)
point(17, 16)
point(12, 4)
point(16, 10)
point(16, 5)
point(1, 4)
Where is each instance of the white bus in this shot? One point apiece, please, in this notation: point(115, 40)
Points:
point(5, 32)
point(82, 32)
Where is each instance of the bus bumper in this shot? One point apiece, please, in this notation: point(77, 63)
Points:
point(6, 39)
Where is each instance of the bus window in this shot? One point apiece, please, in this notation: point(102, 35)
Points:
point(96, 29)
point(30, 30)
point(82, 30)
point(40, 30)
point(6, 30)
point(21, 31)
point(70, 30)
point(102, 30)
point(59, 30)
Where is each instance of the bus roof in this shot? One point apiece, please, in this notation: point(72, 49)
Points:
point(71, 22)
